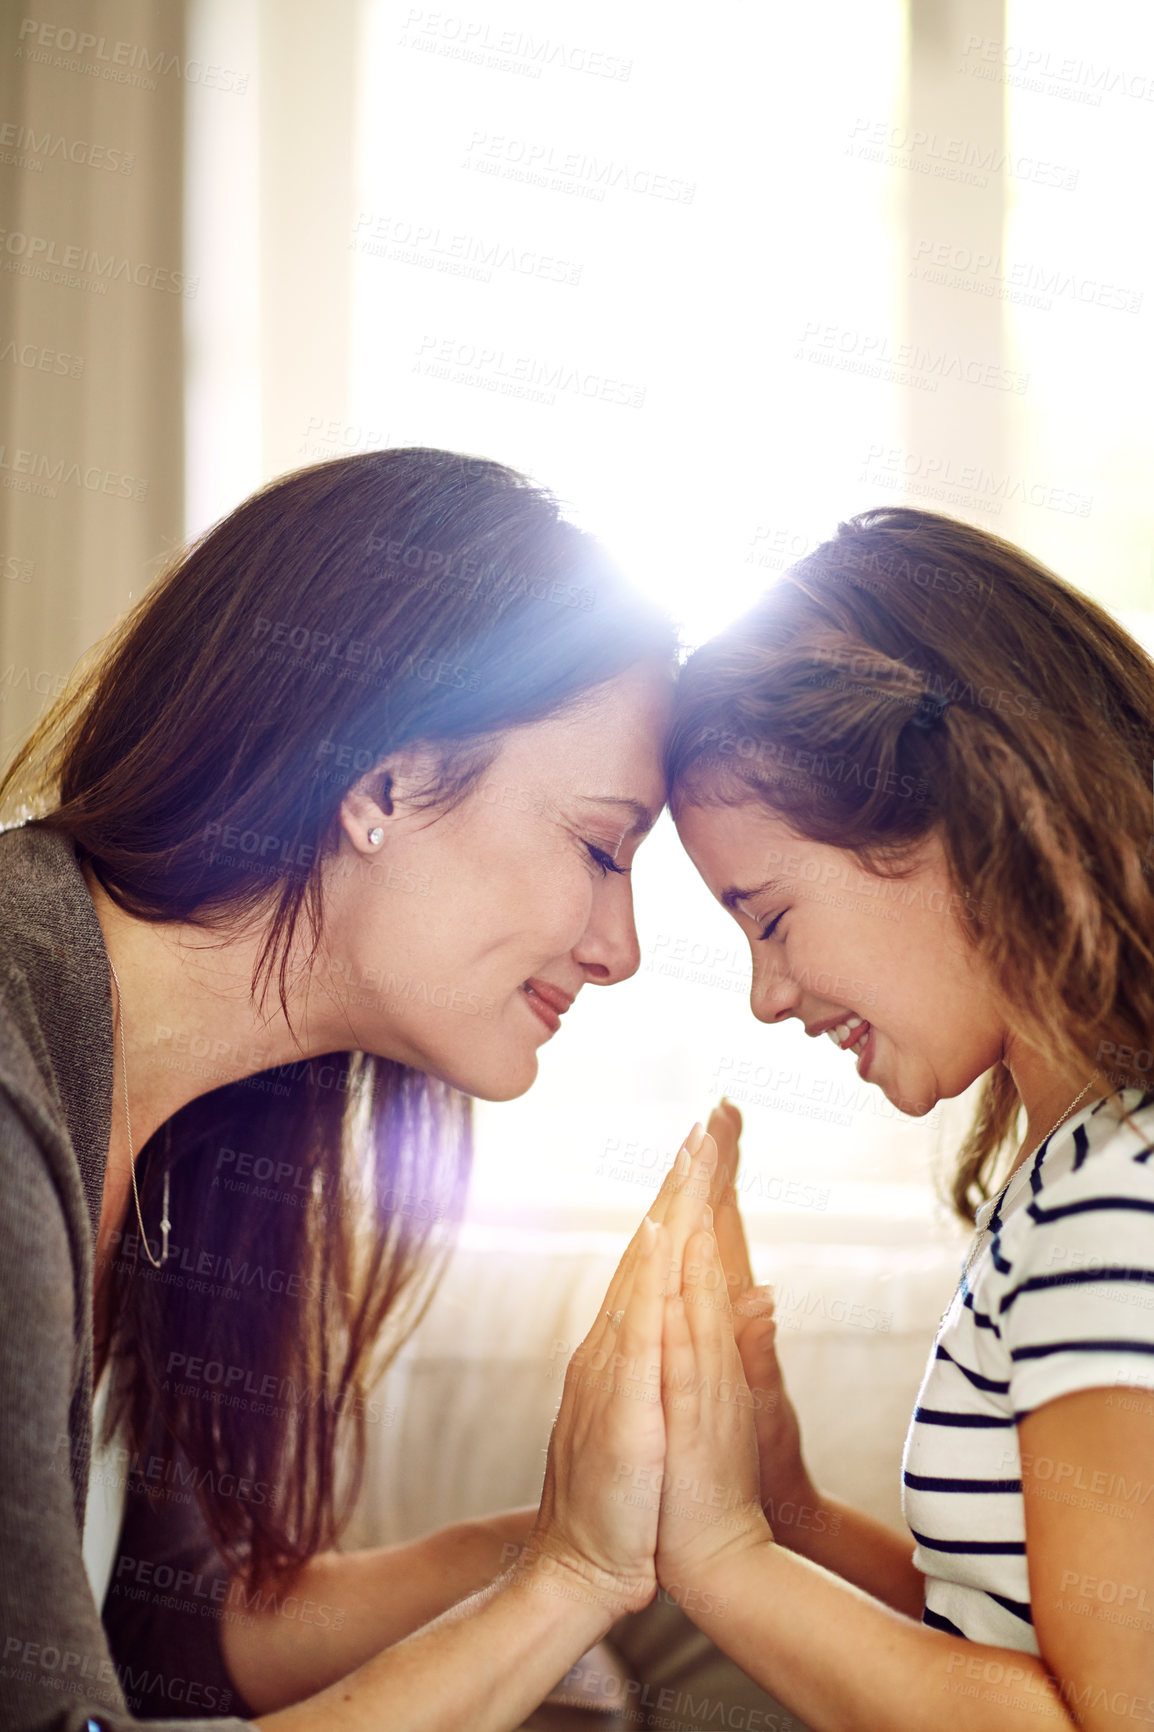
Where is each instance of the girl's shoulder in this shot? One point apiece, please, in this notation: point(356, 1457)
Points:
point(1102, 1163)
point(1070, 1288)
point(1087, 1206)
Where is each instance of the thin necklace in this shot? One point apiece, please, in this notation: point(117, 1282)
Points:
point(165, 1223)
point(1003, 1193)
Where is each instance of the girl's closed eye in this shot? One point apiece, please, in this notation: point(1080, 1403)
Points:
point(604, 860)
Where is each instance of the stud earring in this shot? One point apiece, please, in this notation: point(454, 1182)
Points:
point(376, 836)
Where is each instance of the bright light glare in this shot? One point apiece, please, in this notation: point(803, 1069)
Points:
point(607, 282)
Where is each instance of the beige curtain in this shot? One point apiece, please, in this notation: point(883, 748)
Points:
point(92, 298)
point(964, 115)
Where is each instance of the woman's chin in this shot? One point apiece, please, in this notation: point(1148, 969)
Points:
point(506, 1079)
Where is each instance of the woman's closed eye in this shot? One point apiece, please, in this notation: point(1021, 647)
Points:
point(768, 931)
point(604, 860)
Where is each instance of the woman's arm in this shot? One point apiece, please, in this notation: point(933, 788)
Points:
point(488, 1661)
point(838, 1658)
point(484, 1664)
point(817, 1526)
point(283, 1644)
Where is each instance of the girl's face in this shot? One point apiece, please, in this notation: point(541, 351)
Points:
point(832, 943)
point(459, 942)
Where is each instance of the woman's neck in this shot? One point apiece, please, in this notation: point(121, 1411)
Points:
point(184, 1022)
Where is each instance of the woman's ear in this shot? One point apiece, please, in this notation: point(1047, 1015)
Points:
point(382, 797)
point(367, 807)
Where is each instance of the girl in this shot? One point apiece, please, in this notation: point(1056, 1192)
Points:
point(919, 712)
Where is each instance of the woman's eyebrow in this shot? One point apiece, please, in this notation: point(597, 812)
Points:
point(643, 818)
point(731, 897)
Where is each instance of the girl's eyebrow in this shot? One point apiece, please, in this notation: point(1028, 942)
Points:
point(643, 818)
point(731, 897)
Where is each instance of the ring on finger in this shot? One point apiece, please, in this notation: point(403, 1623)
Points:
point(615, 1318)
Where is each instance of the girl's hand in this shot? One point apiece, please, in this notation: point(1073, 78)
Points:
point(725, 1129)
point(710, 1502)
point(784, 1475)
point(593, 1536)
point(783, 1472)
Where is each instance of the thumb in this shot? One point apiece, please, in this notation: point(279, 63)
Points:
point(759, 1338)
point(758, 1302)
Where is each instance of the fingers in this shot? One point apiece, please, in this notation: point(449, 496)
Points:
point(756, 1302)
point(677, 1358)
point(689, 1209)
point(682, 1192)
point(677, 1174)
point(639, 1337)
point(697, 1341)
point(706, 1301)
point(724, 1126)
point(620, 1286)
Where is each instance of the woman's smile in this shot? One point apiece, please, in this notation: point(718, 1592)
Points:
point(537, 899)
point(547, 1001)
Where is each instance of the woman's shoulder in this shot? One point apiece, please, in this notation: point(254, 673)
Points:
point(55, 1012)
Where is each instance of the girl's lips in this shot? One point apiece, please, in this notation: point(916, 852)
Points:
point(867, 1053)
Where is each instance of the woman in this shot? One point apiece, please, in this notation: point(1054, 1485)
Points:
point(920, 715)
point(330, 839)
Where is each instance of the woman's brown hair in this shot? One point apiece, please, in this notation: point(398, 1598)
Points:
point(198, 766)
point(915, 674)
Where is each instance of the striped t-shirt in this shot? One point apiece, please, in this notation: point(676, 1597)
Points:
point(1059, 1298)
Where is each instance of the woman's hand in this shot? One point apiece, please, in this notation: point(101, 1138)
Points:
point(710, 1504)
point(600, 1502)
point(595, 1538)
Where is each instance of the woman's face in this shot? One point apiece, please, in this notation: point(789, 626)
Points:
point(458, 943)
point(831, 943)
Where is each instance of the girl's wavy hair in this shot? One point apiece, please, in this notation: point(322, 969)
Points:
point(1036, 777)
point(345, 611)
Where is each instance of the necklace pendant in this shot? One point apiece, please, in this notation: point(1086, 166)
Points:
point(165, 1224)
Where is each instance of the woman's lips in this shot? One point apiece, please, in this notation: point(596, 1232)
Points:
point(547, 1001)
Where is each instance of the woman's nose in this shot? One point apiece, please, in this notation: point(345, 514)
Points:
point(609, 951)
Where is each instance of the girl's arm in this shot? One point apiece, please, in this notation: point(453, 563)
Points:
point(838, 1658)
point(856, 1546)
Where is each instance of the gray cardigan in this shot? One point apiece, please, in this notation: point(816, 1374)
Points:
point(57, 1667)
